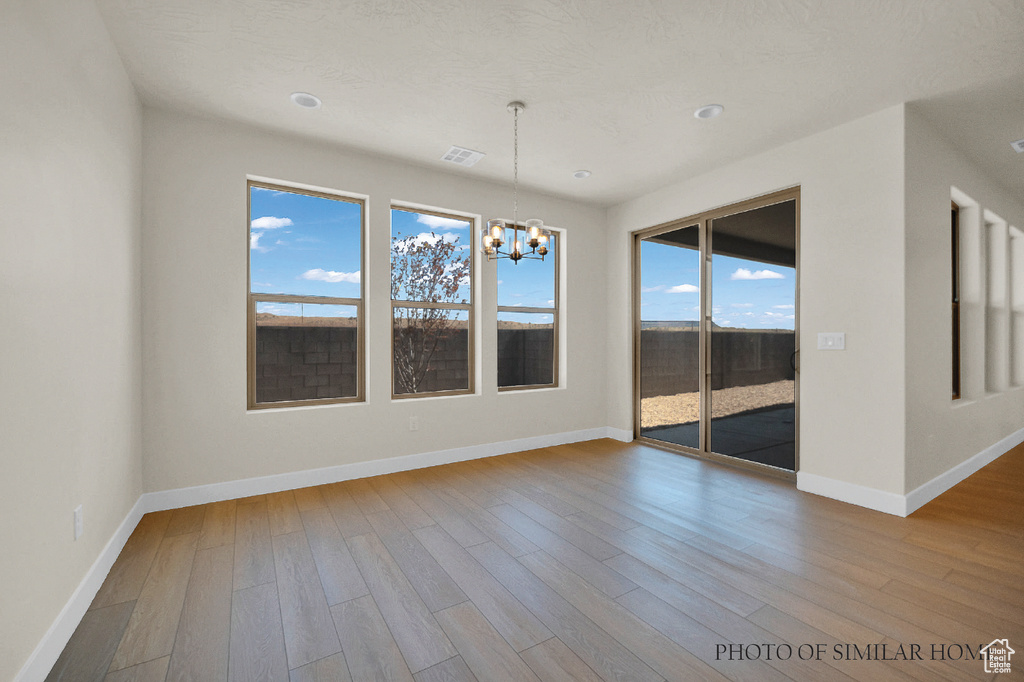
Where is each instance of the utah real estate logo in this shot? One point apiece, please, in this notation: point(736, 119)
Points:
point(997, 656)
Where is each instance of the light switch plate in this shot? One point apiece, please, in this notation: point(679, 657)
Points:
point(831, 340)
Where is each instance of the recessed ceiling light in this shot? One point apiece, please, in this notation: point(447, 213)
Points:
point(1018, 146)
point(580, 174)
point(306, 100)
point(709, 111)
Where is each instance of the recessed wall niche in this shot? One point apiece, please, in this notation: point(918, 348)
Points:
point(990, 300)
point(1016, 270)
point(997, 314)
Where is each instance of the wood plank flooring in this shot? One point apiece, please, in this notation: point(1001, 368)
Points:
point(592, 561)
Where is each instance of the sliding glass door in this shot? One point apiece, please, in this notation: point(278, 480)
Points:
point(716, 351)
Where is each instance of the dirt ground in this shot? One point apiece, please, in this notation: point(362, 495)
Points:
point(683, 408)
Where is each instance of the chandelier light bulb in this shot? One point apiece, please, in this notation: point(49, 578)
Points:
point(496, 232)
point(533, 230)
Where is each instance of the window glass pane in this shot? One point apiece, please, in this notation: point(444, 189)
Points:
point(528, 283)
point(670, 336)
point(431, 350)
point(753, 296)
point(303, 245)
point(526, 349)
point(430, 257)
point(305, 351)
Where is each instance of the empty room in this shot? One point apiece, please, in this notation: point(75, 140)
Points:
point(496, 340)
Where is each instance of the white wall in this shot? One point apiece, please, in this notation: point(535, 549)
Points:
point(941, 432)
point(70, 364)
point(196, 427)
point(851, 280)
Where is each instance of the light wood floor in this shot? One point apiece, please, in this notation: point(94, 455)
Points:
point(599, 560)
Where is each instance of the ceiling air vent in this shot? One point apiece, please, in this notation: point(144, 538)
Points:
point(1018, 146)
point(461, 156)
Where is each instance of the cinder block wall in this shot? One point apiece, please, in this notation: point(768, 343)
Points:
point(669, 359)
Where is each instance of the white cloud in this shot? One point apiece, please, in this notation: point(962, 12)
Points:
point(437, 222)
point(254, 241)
point(451, 267)
point(648, 290)
point(331, 276)
point(743, 273)
point(682, 289)
point(783, 307)
point(742, 305)
point(278, 308)
point(270, 222)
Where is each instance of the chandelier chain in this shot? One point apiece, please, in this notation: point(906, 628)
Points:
point(515, 167)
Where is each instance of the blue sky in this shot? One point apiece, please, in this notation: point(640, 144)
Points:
point(309, 246)
point(745, 294)
point(528, 283)
point(303, 245)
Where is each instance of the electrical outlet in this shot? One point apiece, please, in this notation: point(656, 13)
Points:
point(78, 522)
point(414, 423)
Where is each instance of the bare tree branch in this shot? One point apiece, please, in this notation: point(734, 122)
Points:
point(429, 270)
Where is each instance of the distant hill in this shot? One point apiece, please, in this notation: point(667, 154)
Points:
point(694, 325)
point(271, 320)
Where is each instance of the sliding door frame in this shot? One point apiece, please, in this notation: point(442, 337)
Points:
point(703, 221)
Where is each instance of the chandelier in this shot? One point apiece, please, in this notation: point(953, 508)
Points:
point(535, 237)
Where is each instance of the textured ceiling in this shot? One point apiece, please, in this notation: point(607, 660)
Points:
point(609, 86)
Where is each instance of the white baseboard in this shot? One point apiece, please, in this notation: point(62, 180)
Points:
point(46, 653)
point(624, 435)
point(229, 490)
point(905, 505)
point(860, 495)
point(920, 496)
point(42, 660)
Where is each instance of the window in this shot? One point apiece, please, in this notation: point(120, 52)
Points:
point(956, 299)
point(305, 307)
point(431, 303)
point(528, 321)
